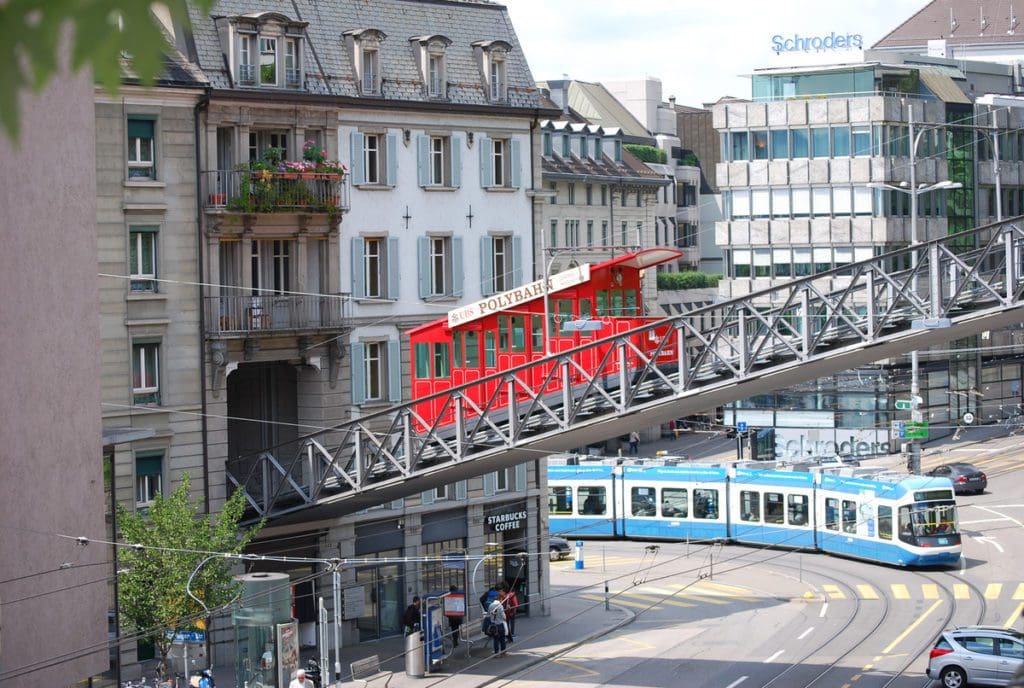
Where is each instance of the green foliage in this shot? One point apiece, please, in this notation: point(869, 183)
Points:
point(152, 592)
point(102, 32)
point(647, 153)
point(689, 160)
point(673, 281)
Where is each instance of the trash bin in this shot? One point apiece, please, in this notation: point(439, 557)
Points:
point(414, 654)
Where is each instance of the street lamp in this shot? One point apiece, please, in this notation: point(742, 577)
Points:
point(913, 190)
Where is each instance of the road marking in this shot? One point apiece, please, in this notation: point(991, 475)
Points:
point(659, 600)
point(911, 627)
point(833, 591)
point(619, 600)
point(646, 646)
point(993, 590)
point(855, 677)
point(1019, 594)
point(703, 598)
point(900, 592)
point(1012, 621)
point(584, 670)
point(866, 591)
point(992, 541)
point(824, 608)
point(930, 590)
point(805, 633)
point(961, 591)
point(982, 520)
point(773, 657)
point(738, 681)
point(996, 513)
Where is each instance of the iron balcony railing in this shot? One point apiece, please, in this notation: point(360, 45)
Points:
point(268, 313)
point(258, 191)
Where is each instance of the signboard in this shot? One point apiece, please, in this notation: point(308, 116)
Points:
point(453, 562)
point(831, 41)
point(287, 651)
point(904, 405)
point(899, 428)
point(519, 295)
point(918, 431)
point(511, 519)
point(354, 602)
point(455, 604)
point(190, 637)
point(741, 426)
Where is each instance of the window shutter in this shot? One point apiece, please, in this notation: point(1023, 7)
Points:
point(394, 370)
point(486, 153)
point(427, 497)
point(358, 374)
point(358, 277)
point(394, 276)
point(521, 477)
point(486, 266)
point(391, 158)
point(140, 128)
point(356, 144)
point(517, 261)
point(460, 490)
point(516, 175)
point(423, 249)
point(423, 160)
point(456, 161)
point(490, 484)
point(457, 274)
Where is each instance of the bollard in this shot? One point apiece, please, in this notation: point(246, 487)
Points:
point(579, 554)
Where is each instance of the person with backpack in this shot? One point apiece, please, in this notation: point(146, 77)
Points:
point(510, 603)
point(496, 615)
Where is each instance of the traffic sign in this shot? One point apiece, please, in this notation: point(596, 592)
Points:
point(899, 428)
point(904, 404)
point(741, 426)
point(916, 431)
point(968, 418)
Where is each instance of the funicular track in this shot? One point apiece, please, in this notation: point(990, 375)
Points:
point(960, 285)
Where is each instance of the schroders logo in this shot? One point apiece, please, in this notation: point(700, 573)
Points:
point(832, 41)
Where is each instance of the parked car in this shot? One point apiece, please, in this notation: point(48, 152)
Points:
point(977, 656)
point(966, 477)
point(558, 548)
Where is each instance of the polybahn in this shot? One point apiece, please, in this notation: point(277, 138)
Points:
point(960, 285)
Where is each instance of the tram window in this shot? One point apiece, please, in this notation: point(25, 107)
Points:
point(537, 329)
point(490, 359)
point(849, 516)
point(442, 360)
point(750, 507)
point(560, 500)
point(643, 503)
point(564, 309)
point(885, 522)
point(631, 302)
point(798, 510)
point(674, 502)
point(602, 302)
point(705, 504)
point(617, 302)
point(472, 349)
point(774, 508)
point(518, 333)
point(457, 348)
point(925, 520)
point(832, 513)
point(503, 333)
point(592, 501)
point(422, 355)
point(584, 309)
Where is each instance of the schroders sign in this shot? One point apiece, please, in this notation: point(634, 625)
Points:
point(833, 41)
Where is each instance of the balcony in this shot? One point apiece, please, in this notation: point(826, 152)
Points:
point(263, 191)
point(248, 316)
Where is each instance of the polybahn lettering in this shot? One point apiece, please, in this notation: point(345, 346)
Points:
point(594, 389)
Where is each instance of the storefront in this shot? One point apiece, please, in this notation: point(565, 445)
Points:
point(506, 533)
point(383, 598)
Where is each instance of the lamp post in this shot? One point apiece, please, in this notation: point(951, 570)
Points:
point(913, 190)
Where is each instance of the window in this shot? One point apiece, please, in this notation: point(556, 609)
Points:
point(268, 61)
point(760, 140)
point(797, 510)
point(499, 163)
point(572, 233)
point(572, 193)
point(142, 257)
point(140, 148)
point(799, 143)
point(643, 502)
point(148, 477)
point(780, 144)
point(246, 66)
point(376, 371)
point(560, 501)
point(373, 158)
point(750, 507)
point(740, 146)
point(774, 507)
point(369, 60)
point(589, 191)
point(849, 516)
point(440, 266)
point(439, 161)
point(145, 372)
point(440, 260)
point(885, 522)
point(435, 76)
point(497, 76)
point(500, 263)
point(705, 504)
point(375, 272)
point(271, 267)
point(861, 140)
point(819, 142)
point(592, 500)
point(436, 575)
point(840, 142)
point(292, 69)
point(262, 140)
point(546, 144)
point(437, 158)
point(674, 502)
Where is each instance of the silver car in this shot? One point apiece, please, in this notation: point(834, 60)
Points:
point(977, 656)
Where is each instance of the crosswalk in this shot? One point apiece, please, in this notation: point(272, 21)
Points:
point(924, 591)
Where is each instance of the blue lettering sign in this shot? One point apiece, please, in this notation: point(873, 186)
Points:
point(797, 43)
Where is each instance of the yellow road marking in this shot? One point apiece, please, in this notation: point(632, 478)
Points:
point(702, 598)
point(993, 590)
point(833, 591)
point(659, 600)
point(637, 643)
point(1012, 621)
point(900, 592)
point(855, 677)
point(620, 601)
point(571, 665)
point(1019, 594)
point(866, 591)
point(911, 627)
point(931, 591)
point(724, 587)
point(961, 591)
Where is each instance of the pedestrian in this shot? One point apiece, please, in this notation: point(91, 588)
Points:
point(488, 597)
point(411, 617)
point(206, 679)
point(300, 680)
point(511, 605)
point(496, 613)
point(454, 622)
point(634, 442)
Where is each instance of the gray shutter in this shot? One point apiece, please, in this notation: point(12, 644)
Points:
point(517, 261)
point(486, 153)
point(358, 277)
point(358, 374)
point(516, 175)
point(394, 370)
point(391, 158)
point(423, 248)
point(460, 490)
point(427, 497)
point(490, 484)
point(456, 161)
point(423, 160)
point(457, 274)
point(394, 276)
point(356, 145)
point(521, 477)
point(486, 266)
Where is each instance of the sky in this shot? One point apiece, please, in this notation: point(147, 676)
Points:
point(697, 48)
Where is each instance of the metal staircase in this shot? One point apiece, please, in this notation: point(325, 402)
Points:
point(960, 285)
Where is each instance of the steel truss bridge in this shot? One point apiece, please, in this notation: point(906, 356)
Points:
point(806, 328)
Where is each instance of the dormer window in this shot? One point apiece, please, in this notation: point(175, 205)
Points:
point(493, 56)
point(365, 45)
point(370, 60)
point(267, 47)
point(430, 56)
point(268, 61)
point(498, 77)
point(292, 73)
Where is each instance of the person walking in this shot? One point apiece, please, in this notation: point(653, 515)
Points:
point(300, 680)
point(510, 603)
point(496, 612)
point(454, 622)
point(634, 442)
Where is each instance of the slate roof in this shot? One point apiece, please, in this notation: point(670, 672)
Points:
point(328, 64)
point(596, 104)
point(933, 22)
point(630, 167)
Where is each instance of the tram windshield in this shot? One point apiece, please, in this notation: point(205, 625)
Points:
point(928, 519)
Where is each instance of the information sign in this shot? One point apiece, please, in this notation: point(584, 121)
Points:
point(916, 431)
point(903, 404)
point(741, 426)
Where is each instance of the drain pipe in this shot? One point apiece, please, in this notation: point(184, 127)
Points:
point(204, 101)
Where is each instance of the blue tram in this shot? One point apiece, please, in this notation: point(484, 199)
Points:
point(904, 521)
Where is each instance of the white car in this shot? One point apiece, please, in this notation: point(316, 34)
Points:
point(976, 656)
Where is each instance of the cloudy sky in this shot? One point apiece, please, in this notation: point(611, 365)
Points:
point(698, 48)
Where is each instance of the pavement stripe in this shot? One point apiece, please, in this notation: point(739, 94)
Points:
point(931, 591)
point(961, 591)
point(833, 591)
point(911, 627)
point(900, 592)
point(703, 598)
point(658, 599)
point(1012, 621)
point(620, 601)
point(866, 592)
point(993, 590)
point(1019, 594)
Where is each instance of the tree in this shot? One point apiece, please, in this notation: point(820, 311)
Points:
point(169, 544)
point(103, 32)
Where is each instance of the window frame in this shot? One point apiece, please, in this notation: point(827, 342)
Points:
point(138, 167)
point(148, 485)
point(146, 356)
point(140, 280)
